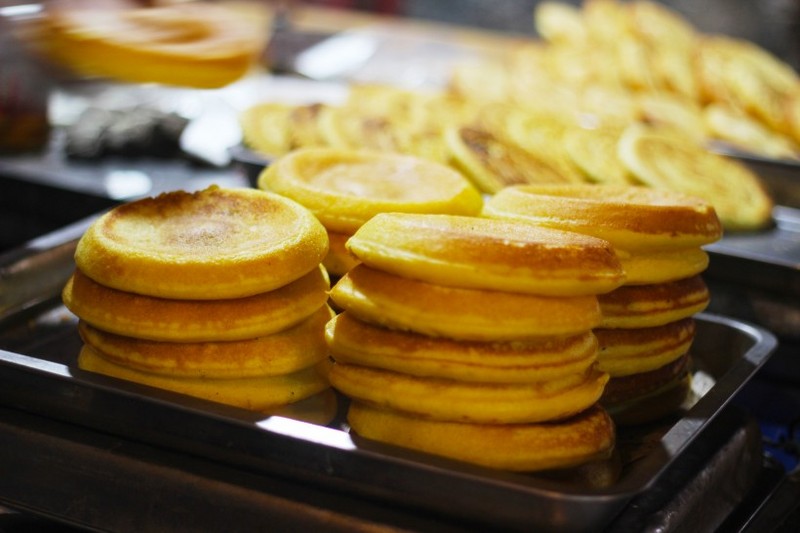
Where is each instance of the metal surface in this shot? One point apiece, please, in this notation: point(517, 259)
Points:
point(38, 377)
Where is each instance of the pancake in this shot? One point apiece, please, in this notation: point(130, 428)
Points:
point(201, 46)
point(644, 306)
point(515, 447)
point(280, 353)
point(263, 393)
point(345, 188)
point(265, 128)
point(623, 352)
point(460, 401)
point(208, 245)
point(481, 253)
point(665, 393)
point(161, 319)
point(651, 267)
point(339, 260)
point(629, 217)
point(463, 314)
point(594, 152)
point(492, 162)
point(352, 341)
point(674, 163)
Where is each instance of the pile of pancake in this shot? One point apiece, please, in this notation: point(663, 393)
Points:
point(344, 188)
point(471, 338)
point(647, 326)
point(218, 294)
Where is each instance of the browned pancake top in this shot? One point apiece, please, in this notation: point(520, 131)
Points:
point(639, 210)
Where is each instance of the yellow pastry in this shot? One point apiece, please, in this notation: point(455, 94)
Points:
point(212, 244)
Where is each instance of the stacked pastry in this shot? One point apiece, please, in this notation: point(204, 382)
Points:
point(217, 294)
point(471, 338)
point(648, 325)
point(345, 188)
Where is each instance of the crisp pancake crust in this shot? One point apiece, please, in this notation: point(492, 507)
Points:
point(279, 353)
point(481, 253)
point(264, 393)
point(213, 244)
point(463, 314)
point(160, 319)
point(644, 306)
point(460, 401)
point(345, 188)
point(631, 351)
point(631, 218)
point(514, 447)
point(355, 342)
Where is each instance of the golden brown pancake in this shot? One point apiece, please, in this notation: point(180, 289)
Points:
point(212, 244)
point(623, 352)
point(635, 219)
point(463, 314)
point(280, 353)
point(345, 188)
point(645, 306)
point(517, 447)
point(623, 388)
point(162, 319)
point(656, 395)
point(651, 267)
point(462, 401)
point(263, 393)
point(339, 260)
point(492, 162)
point(198, 46)
point(481, 253)
point(673, 162)
point(353, 341)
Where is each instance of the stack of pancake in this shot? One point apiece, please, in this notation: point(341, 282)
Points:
point(345, 188)
point(217, 294)
point(648, 325)
point(471, 338)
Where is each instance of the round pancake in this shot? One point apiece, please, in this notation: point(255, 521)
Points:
point(517, 447)
point(645, 306)
point(345, 188)
point(462, 314)
point(674, 163)
point(263, 393)
point(212, 244)
point(594, 152)
point(629, 217)
point(352, 341)
point(662, 266)
point(203, 46)
point(339, 260)
point(666, 401)
point(625, 388)
point(162, 319)
point(623, 352)
point(492, 162)
point(280, 353)
point(462, 401)
point(481, 253)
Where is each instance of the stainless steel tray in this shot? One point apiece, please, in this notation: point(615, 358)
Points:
point(38, 377)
